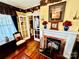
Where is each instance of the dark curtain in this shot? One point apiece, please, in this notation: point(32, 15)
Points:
point(14, 18)
point(7, 9)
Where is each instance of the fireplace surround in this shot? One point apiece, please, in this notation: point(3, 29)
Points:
point(69, 38)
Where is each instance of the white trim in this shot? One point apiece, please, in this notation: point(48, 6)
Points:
point(28, 27)
point(70, 38)
point(35, 13)
point(27, 20)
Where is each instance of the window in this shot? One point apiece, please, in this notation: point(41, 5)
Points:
point(7, 28)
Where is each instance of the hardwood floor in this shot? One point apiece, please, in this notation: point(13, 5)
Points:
point(30, 48)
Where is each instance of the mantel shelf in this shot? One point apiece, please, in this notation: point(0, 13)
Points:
point(66, 32)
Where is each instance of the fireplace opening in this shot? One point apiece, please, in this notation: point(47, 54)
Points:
point(53, 44)
point(53, 47)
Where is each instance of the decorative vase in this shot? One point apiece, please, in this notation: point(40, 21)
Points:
point(66, 28)
point(45, 26)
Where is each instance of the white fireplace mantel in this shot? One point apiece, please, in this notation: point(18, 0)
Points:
point(69, 37)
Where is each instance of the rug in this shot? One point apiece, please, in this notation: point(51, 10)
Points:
point(21, 55)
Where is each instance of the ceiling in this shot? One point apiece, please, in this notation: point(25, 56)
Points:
point(23, 4)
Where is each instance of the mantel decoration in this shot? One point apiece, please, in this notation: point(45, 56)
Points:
point(54, 25)
point(45, 24)
point(56, 12)
point(66, 25)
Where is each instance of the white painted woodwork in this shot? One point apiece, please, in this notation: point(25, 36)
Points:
point(69, 37)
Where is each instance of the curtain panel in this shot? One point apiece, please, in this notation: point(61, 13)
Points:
point(8, 9)
point(14, 18)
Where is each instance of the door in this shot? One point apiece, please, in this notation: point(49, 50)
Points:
point(31, 25)
point(36, 25)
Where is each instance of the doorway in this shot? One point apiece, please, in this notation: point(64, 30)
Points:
point(31, 25)
point(36, 28)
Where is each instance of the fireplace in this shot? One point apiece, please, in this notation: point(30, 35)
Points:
point(67, 40)
point(53, 47)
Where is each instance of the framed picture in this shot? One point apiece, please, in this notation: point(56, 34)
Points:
point(56, 11)
point(45, 2)
point(54, 25)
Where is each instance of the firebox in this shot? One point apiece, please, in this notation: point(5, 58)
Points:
point(53, 43)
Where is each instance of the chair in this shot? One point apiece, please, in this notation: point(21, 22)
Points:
point(17, 36)
point(19, 39)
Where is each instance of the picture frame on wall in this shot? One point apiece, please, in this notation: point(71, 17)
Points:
point(45, 2)
point(54, 25)
point(56, 11)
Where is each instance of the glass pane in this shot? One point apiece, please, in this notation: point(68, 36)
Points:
point(4, 20)
point(7, 27)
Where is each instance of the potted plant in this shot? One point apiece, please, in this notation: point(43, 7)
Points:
point(45, 24)
point(66, 25)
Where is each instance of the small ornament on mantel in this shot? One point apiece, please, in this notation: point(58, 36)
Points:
point(66, 25)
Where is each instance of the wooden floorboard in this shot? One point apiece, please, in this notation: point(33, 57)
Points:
point(30, 48)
